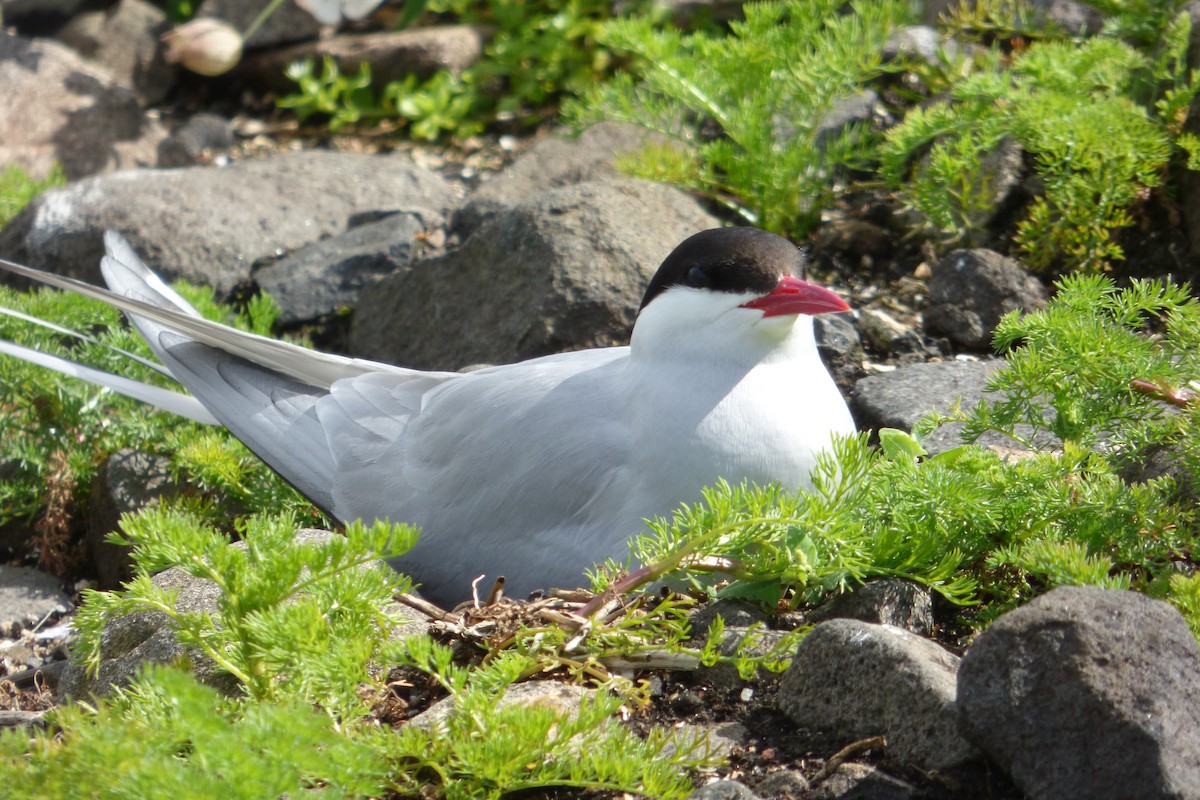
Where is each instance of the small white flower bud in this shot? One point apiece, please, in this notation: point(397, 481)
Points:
point(205, 46)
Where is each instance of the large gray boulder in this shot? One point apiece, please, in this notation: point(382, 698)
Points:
point(61, 108)
point(564, 272)
point(1087, 692)
point(209, 225)
point(855, 679)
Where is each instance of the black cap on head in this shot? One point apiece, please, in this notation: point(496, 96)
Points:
point(728, 260)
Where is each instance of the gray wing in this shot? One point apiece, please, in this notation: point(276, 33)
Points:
point(517, 470)
point(268, 392)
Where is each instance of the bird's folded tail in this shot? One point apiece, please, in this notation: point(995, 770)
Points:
point(183, 404)
point(277, 398)
point(139, 292)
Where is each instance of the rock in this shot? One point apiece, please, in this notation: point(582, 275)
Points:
point(208, 225)
point(719, 740)
point(566, 271)
point(125, 41)
point(723, 790)
point(1087, 692)
point(190, 142)
point(898, 399)
point(855, 237)
point(972, 289)
point(919, 41)
point(129, 642)
point(85, 120)
point(733, 613)
point(840, 347)
point(1001, 173)
point(788, 784)
point(328, 276)
point(28, 596)
point(857, 109)
point(554, 161)
point(855, 680)
point(39, 17)
point(29, 720)
point(887, 601)
point(289, 23)
point(128, 481)
point(391, 55)
point(565, 699)
point(861, 782)
point(886, 333)
point(1074, 18)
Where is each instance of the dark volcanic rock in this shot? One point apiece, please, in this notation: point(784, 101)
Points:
point(972, 289)
point(862, 782)
point(723, 790)
point(127, 481)
point(391, 55)
point(28, 596)
point(1087, 692)
point(887, 601)
point(855, 679)
point(329, 275)
point(564, 272)
point(554, 161)
point(59, 107)
point(125, 40)
point(208, 225)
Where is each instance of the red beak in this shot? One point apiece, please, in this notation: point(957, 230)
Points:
point(794, 296)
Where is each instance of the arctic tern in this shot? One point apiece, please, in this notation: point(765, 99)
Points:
point(535, 470)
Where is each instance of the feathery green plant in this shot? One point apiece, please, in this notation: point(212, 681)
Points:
point(483, 748)
point(745, 111)
point(57, 430)
point(1100, 383)
point(298, 626)
point(1097, 384)
point(169, 737)
point(295, 619)
point(1100, 120)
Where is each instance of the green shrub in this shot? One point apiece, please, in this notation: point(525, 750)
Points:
point(57, 430)
point(1074, 109)
point(538, 52)
point(745, 110)
point(1099, 119)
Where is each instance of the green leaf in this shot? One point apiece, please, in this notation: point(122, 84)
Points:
point(900, 446)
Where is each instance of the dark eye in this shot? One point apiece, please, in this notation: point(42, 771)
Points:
point(697, 278)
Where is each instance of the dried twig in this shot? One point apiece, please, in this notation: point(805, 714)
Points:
point(852, 749)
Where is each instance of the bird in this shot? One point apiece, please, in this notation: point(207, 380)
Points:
point(535, 470)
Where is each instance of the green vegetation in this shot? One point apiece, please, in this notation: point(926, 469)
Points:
point(17, 188)
point(299, 626)
point(745, 111)
point(1080, 112)
point(57, 431)
point(537, 53)
point(1099, 387)
point(1100, 118)
point(749, 114)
